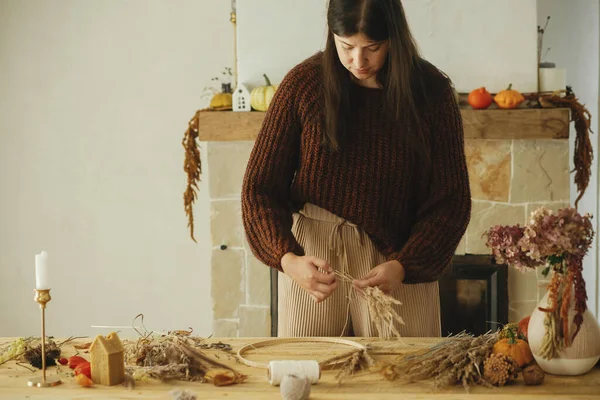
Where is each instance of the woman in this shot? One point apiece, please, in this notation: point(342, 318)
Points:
point(359, 168)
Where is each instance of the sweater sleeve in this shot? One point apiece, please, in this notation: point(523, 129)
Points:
point(266, 213)
point(444, 213)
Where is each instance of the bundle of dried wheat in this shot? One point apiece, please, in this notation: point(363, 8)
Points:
point(350, 363)
point(458, 359)
point(381, 308)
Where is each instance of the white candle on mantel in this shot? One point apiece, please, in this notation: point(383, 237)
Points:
point(41, 271)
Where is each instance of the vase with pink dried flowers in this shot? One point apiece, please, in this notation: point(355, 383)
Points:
point(563, 335)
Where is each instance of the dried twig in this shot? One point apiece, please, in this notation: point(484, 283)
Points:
point(175, 356)
point(20, 364)
point(163, 373)
point(204, 365)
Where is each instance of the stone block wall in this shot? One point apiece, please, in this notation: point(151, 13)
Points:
point(509, 179)
point(241, 289)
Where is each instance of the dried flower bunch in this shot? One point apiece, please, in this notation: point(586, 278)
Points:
point(29, 350)
point(545, 241)
point(558, 242)
point(34, 354)
point(583, 153)
point(223, 83)
point(499, 369)
point(192, 165)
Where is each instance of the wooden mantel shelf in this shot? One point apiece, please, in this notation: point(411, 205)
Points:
point(531, 123)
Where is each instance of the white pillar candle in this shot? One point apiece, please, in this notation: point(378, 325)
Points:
point(552, 79)
point(41, 271)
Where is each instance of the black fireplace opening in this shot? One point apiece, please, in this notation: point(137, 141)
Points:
point(474, 295)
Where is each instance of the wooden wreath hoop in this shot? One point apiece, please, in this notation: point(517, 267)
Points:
point(267, 343)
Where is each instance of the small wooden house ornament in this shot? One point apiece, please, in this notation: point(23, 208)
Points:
point(107, 360)
point(241, 99)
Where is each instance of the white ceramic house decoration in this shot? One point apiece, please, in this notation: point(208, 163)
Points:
point(241, 98)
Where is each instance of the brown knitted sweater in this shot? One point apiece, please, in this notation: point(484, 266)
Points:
point(375, 181)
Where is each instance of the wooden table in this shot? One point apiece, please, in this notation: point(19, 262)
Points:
point(13, 380)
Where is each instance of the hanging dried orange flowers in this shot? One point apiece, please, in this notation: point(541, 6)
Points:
point(192, 166)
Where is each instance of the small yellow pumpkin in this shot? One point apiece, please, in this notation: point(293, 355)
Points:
point(509, 98)
point(224, 100)
point(221, 102)
point(261, 96)
point(517, 349)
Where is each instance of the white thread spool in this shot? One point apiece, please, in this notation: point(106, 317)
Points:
point(309, 369)
point(295, 388)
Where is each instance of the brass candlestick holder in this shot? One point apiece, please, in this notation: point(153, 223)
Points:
point(42, 296)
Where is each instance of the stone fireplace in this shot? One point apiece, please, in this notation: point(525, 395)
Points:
point(510, 177)
point(474, 295)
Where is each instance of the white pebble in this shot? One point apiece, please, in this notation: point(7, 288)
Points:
point(178, 394)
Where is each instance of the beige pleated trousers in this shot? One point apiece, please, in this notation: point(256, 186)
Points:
point(348, 249)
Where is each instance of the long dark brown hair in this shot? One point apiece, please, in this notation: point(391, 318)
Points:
point(400, 75)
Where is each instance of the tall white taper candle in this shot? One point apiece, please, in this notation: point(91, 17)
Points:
point(41, 271)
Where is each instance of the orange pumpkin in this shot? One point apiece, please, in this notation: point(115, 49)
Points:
point(509, 98)
point(523, 326)
point(479, 99)
point(83, 380)
point(517, 349)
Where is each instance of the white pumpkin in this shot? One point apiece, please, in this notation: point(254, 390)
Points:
point(261, 96)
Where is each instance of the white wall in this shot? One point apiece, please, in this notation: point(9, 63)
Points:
point(574, 39)
point(478, 43)
point(468, 39)
point(275, 35)
point(94, 99)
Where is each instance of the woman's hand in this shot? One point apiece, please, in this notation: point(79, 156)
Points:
point(387, 276)
point(305, 271)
